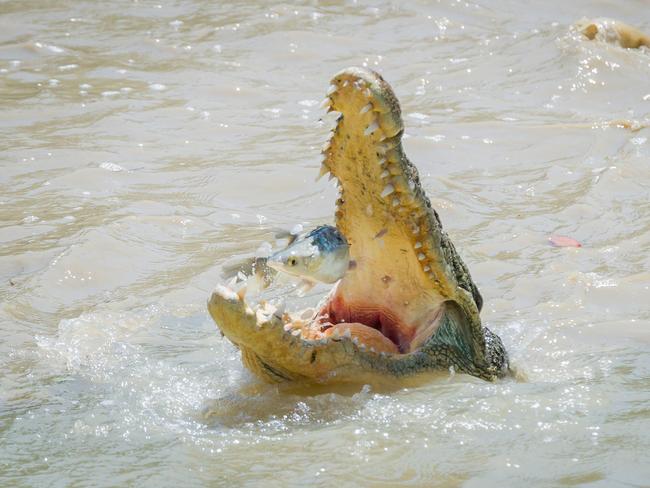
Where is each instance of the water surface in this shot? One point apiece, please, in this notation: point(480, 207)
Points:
point(144, 145)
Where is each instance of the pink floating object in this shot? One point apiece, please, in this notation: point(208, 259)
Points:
point(563, 241)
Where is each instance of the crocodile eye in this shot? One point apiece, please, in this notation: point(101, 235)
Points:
point(292, 261)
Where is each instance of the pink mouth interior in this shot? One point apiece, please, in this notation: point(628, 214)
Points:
point(375, 323)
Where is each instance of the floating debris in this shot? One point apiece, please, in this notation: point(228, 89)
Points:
point(563, 241)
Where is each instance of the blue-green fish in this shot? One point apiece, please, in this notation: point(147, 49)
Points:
point(320, 255)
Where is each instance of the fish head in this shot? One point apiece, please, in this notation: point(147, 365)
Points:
point(322, 255)
point(299, 259)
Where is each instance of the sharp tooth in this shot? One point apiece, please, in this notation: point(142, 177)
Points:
point(324, 169)
point(242, 292)
point(371, 128)
point(384, 174)
point(372, 349)
point(362, 346)
point(418, 245)
point(288, 327)
point(325, 147)
point(421, 257)
point(260, 317)
point(388, 189)
point(345, 83)
point(395, 202)
point(332, 89)
point(355, 340)
point(381, 161)
point(327, 103)
point(366, 108)
point(323, 340)
point(335, 334)
point(347, 333)
point(427, 269)
point(295, 333)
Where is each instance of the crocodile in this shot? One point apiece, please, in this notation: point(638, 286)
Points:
point(409, 306)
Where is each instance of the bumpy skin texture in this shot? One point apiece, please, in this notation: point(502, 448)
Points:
point(408, 268)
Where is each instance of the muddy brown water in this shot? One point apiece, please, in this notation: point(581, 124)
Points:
point(144, 144)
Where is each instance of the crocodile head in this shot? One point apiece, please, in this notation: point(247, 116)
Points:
point(409, 306)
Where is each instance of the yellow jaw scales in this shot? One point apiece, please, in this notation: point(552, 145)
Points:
point(381, 210)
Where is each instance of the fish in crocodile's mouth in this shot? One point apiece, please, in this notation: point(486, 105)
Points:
point(409, 304)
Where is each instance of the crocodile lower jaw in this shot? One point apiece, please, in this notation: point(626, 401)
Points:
point(357, 327)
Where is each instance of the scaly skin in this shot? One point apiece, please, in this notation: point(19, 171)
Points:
point(409, 282)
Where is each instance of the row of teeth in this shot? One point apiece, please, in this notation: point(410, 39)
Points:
point(294, 328)
point(335, 337)
point(265, 313)
point(398, 190)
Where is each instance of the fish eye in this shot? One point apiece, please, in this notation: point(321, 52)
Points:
point(292, 261)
